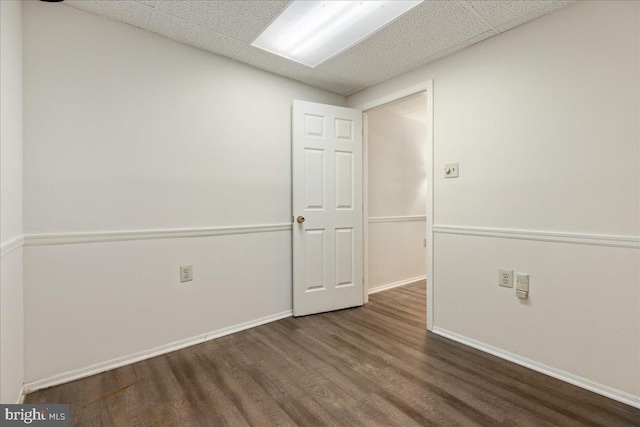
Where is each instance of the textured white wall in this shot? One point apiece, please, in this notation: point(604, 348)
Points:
point(397, 187)
point(126, 130)
point(544, 120)
point(11, 306)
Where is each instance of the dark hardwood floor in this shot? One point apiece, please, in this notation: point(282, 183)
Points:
point(370, 366)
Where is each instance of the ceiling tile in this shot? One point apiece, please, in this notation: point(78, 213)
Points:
point(433, 58)
point(276, 64)
point(429, 28)
point(523, 19)
point(131, 12)
point(193, 35)
point(150, 3)
point(242, 20)
point(507, 14)
point(332, 83)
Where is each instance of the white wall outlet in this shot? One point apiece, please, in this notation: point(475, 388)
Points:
point(505, 278)
point(451, 170)
point(522, 285)
point(186, 273)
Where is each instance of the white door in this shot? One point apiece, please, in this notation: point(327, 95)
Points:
point(327, 208)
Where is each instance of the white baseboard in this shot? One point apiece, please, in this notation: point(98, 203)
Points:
point(381, 288)
point(147, 354)
point(561, 375)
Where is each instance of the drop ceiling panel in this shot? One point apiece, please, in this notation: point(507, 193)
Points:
point(241, 20)
point(149, 3)
point(547, 8)
point(429, 28)
point(273, 63)
point(441, 54)
point(193, 35)
point(501, 13)
point(131, 12)
point(428, 32)
point(333, 83)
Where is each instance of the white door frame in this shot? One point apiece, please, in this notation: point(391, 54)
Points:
point(427, 88)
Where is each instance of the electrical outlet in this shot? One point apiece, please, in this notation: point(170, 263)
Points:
point(522, 285)
point(186, 273)
point(505, 278)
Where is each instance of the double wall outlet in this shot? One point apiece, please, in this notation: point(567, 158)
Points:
point(505, 278)
point(186, 273)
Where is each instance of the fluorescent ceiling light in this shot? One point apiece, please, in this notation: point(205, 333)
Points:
point(310, 32)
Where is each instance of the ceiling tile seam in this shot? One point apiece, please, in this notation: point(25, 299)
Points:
point(148, 24)
point(153, 9)
point(255, 67)
point(477, 14)
point(531, 16)
point(199, 27)
point(424, 61)
point(235, 57)
point(336, 77)
point(110, 18)
point(211, 30)
point(270, 22)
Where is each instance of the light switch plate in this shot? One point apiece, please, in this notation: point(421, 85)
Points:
point(522, 285)
point(451, 170)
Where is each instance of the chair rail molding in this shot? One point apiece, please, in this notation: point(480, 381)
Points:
point(115, 236)
point(11, 245)
point(401, 218)
point(632, 242)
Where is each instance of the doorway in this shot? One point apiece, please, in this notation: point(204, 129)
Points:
point(398, 193)
point(330, 184)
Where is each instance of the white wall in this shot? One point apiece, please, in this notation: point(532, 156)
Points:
point(126, 130)
point(11, 303)
point(544, 120)
point(396, 191)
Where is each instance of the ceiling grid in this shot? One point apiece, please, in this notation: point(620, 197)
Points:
point(428, 32)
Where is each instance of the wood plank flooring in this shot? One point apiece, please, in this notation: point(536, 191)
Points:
point(369, 366)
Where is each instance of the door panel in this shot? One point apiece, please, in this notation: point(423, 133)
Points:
point(315, 248)
point(344, 257)
point(344, 179)
point(314, 178)
point(327, 193)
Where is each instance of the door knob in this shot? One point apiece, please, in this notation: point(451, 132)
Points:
point(300, 219)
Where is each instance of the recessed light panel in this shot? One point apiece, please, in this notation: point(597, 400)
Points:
point(310, 32)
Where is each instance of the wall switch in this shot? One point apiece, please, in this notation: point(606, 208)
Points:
point(186, 273)
point(505, 278)
point(451, 170)
point(522, 285)
point(424, 242)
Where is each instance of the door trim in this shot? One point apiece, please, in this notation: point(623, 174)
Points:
point(426, 88)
